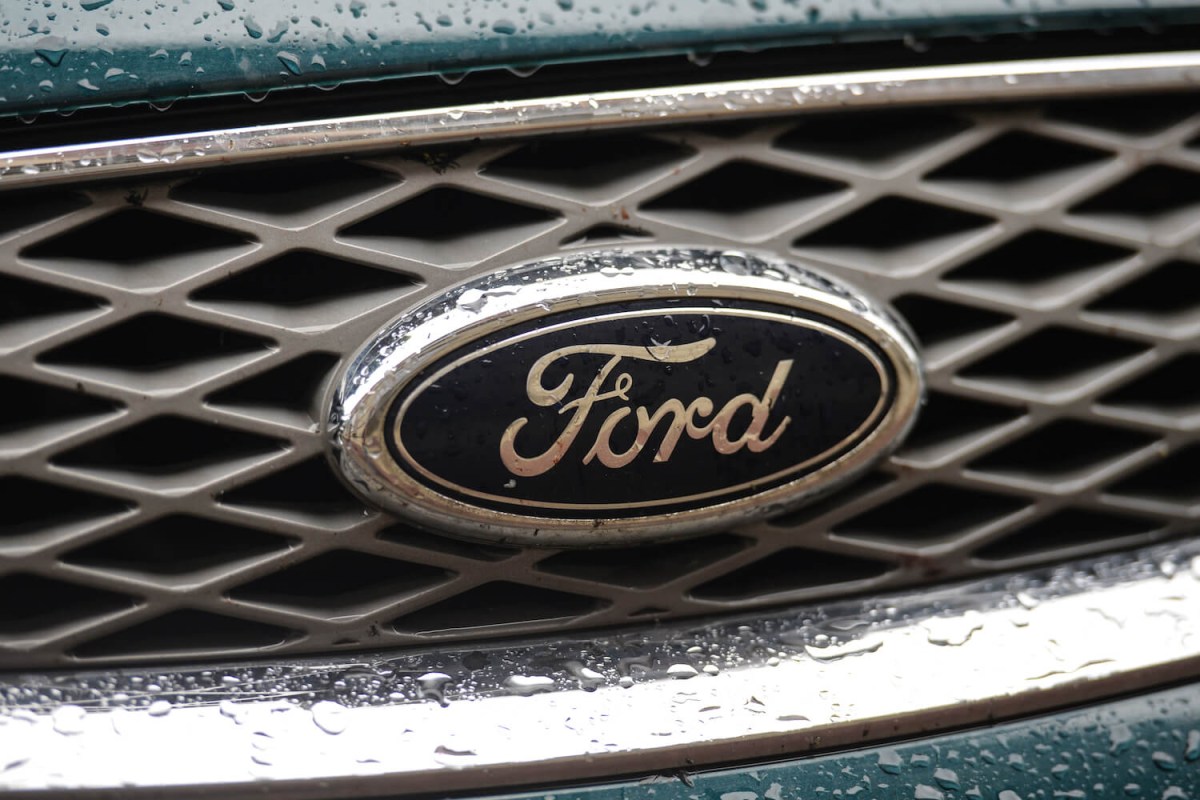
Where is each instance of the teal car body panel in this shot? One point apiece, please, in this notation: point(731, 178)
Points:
point(85, 53)
point(1147, 747)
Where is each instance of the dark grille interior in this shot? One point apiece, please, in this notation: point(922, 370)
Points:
point(167, 346)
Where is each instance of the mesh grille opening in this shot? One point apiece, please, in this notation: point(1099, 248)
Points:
point(1070, 529)
point(281, 191)
point(606, 234)
point(307, 492)
point(936, 322)
point(1175, 480)
point(192, 446)
point(155, 343)
point(31, 603)
point(26, 209)
point(450, 226)
point(411, 537)
point(1060, 451)
point(575, 164)
point(1037, 266)
point(789, 570)
point(1017, 157)
point(187, 631)
point(134, 238)
point(31, 506)
point(892, 234)
point(845, 496)
point(646, 566)
point(930, 514)
point(177, 545)
point(496, 603)
point(1134, 116)
point(1169, 295)
point(741, 187)
point(444, 215)
point(297, 286)
point(948, 423)
point(1054, 359)
point(871, 137)
point(1170, 390)
point(341, 580)
point(288, 393)
point(22, 300)
point(1159, 197)
point(25, 405)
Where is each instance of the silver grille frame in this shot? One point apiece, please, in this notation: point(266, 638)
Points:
point(419, 270)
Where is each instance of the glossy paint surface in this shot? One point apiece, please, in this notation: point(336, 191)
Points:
point(64, 54)
point(1142, 747)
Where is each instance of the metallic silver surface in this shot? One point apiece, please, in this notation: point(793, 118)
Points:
point(1055, 317)
point(658, 698)
point(574, 113)
point(501, 300)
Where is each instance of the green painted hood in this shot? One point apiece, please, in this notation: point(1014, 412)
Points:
point(77, 53)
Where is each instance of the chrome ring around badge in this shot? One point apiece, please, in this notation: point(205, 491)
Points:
point(620, 396)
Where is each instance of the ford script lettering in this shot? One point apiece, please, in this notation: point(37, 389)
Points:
point(571, 403)
point(672, 410)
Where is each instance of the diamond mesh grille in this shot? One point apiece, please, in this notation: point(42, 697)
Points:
point(165, 349)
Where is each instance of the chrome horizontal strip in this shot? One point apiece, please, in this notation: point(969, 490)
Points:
point(1009, 80)
point(649, 700)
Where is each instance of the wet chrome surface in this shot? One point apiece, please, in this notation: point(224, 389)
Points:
point(1043, 78)
point(653, 699)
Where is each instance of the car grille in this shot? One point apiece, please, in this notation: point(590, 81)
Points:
point(167, 345)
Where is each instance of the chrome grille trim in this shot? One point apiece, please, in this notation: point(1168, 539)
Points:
point(652, 699)
point(996, 81)
point(275, 576)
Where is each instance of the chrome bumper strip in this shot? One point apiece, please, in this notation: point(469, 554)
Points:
point(1010, 80)
point(649, 700)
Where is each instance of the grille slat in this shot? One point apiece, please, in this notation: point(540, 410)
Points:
point(1055, 299)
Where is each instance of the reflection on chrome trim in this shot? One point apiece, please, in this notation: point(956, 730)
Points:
point(1009, 80)
point(656, 699)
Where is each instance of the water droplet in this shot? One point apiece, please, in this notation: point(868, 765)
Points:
point(528, 684)
point(226, 5)
point(1120, 739)
point(1164, 761)
point(471, 300)
point(890, 762)
point(1193, 746)
point(92, 5)
point(329, 716)
point(504, 27)
point(952, 631)
point(433, 685)
point(51, 49)
point(682, 671)
point(925, 792)
point(68, 720)
point(159, 708)
point(289, 60)
point(252, 27)
point(946, 778)
point(625, 682)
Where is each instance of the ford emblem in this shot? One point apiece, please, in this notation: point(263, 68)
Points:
point(610, 397)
